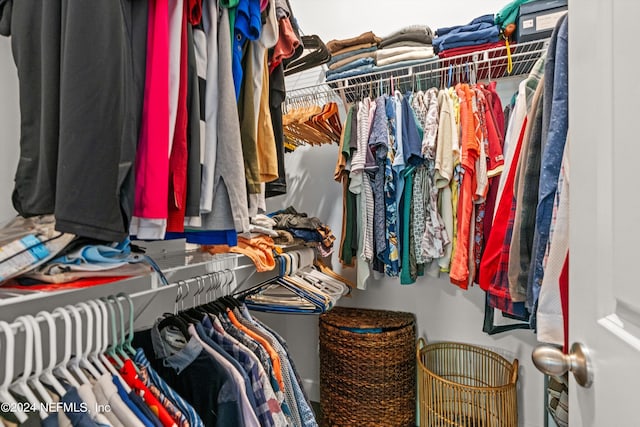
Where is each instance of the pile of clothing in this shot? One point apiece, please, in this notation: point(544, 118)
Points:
point(481, 33)
point(367, 53)
point(294, 225)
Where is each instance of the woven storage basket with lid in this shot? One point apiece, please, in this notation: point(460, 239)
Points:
point(465, 385)
point(367, 368)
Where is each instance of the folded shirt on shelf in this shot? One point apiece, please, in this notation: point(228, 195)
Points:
point(465, 50)
point(406, 43)
point(348, 49)
point(368, 53)
point(357, 64)
point(368, 37)
point(412, 33)
point(479, 31)
point(368, 69)
point(399, 54)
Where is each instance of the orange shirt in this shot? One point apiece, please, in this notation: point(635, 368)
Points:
point(275, 359)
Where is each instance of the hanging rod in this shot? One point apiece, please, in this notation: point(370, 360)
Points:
point(489, 64)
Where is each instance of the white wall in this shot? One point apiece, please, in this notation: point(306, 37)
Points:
point(443, 311)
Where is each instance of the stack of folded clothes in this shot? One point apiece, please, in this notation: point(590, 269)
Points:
point(353, 56)
point(408, 46)
point(476, 35)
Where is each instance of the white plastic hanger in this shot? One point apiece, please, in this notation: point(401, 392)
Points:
point(9, 357)
point(74, 363)
point(99, 332)
point(47, 373)
point(91, 331)
point(105, 341)
point(38, 356)
point(61, 369)
point(20, 385)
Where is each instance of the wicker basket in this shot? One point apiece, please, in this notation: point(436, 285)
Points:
point(367, 368)
point(464, 385)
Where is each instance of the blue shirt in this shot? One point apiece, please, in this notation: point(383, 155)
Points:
point(248, 26)
point(551, 159)
point(132, 406)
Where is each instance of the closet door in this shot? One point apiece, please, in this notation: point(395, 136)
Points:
point(604, 266)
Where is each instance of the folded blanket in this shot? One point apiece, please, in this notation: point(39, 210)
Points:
point(418, 33)
point(477, 34)
point(346, 61)
point(368, 37)
point(406, 56)
point(465, 50)
point(347, 55)
point(406, 43)
point(389, 52)
point(351, 65)
point(352, 48)
point(484, 19)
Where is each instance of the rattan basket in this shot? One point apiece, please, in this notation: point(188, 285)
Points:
point(367, 368)
point(465, 385)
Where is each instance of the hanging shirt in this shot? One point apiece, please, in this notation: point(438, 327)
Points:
point(106, 391)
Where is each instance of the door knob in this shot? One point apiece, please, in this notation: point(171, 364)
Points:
point(552, 361)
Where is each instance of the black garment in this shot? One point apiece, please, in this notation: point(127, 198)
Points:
point(194, 168)
point(199, 383)
point(81, 69)
point(144, 408)
point(277, 94)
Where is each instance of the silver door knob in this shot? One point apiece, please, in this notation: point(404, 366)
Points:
point(552, 361)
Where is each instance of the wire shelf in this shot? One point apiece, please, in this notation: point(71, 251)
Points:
point(485, 65)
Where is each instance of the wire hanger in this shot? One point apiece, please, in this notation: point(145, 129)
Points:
point(47, 373)
point(62, 369)
point(38, 356)
point(20, 385)
point(9, 360)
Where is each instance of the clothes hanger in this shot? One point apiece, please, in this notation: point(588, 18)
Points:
point(128, 344)
point(20, 385)
point(38, 356)
point(61, 369)
point(9, 360)
point(174, 319)
point(85, 362)
point(106, 348)
point(99, 332)
point(74, 363)
point(111, 348)
point(47, 373)
point(122, 337)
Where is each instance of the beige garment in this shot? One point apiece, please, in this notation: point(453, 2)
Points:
point(267, 154)
point(346, 61)
point(85, 392)
point(394, 51)
point(447, 132)
point(353, 48)
point(518, 188)
point(107, 391)
point(420, 53)
point(368, 37)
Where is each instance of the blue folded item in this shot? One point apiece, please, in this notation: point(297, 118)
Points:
point(305, 234)
point(208, 237)
point(468, 36)
point(117, 253)
point(336, 58)
point(486, 19)
point(351, 65)
point(350, 73)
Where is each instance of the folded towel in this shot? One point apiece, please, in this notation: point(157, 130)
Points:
point(389, 52)
point(350, 59)
point(346, 50)
point(351, 65)
point(407, 56)
point(470, 35)
point(337, 58)
point(407, 43)
point(484, 19)
point(418, 33)
point(368, 37)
